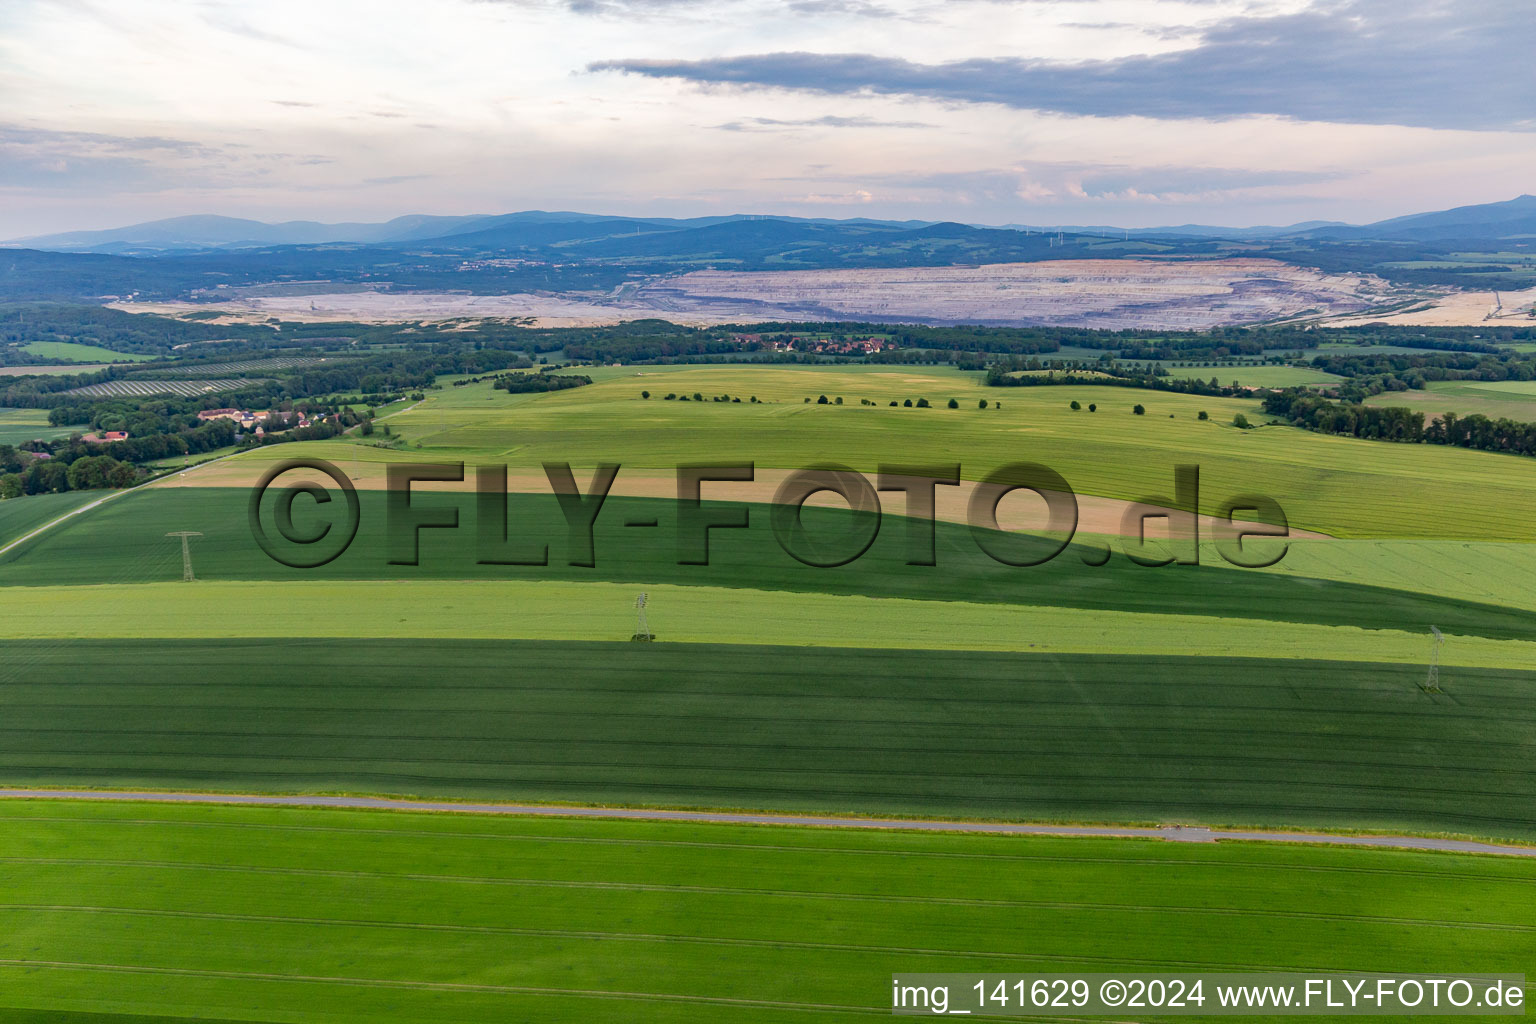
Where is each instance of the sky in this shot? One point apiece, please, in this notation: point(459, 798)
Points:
point(1040, 112)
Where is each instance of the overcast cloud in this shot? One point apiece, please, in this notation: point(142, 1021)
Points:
point(1136, 112)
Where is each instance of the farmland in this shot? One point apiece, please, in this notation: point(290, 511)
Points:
point(18, 516)
point(1510, 399)
point(147, 388)
point(74, 352)
point(19, 425)
point(1038, 736)
point(197, 911)
point(1258, 376)
point(29, 369)
point(1286, 697)
point(1338, 486)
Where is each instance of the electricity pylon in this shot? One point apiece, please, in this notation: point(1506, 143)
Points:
point(1432, 681)
point(186, 552)
point(642, 628)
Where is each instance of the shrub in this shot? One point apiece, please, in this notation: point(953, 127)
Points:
point(954, 404)
point(645, 394)
point(893, 405)
point(671, 396)
point(1076, 405)
point(839, 400)
point(1139, 410)
point(1241, 422)
point(1092, 407)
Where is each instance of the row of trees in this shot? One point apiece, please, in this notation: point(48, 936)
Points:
point(46, 476)
point(1392, 423)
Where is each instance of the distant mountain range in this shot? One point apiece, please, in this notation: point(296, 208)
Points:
point(599, 236)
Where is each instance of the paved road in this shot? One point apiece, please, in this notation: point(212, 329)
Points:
point(1175, 833)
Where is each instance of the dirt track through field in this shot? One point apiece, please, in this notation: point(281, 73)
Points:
point(1175, 833)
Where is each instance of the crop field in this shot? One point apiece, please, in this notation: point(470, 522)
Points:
point(1282, 742)
point(1504, 399)
point(71, 352)
point(1258, 376)
point(1340, 486)
point(124, 542)
point(175, 913)
point(21, 515)
point(243, 366)
point(31, 370)
point(1289, 697)
point(146, 388)
point(19, 425)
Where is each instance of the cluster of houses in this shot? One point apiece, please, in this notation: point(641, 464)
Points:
point(841, 346)
point(251, 421)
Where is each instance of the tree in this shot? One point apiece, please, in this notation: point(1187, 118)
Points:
point(954, 404)
point(10, 486)
point(1203, 415)
point(1076, 405)
point(1139, 410)
point(1241, 422)
point(822, 400)
point(983, 403)
point(907, 403)
point(893, 404)
point(922, 403)
point(839, 400)
point(1092, 407)
point(645, 394)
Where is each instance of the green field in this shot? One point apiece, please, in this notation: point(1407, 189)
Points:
point(1258, 376)
point(22, 515)
point(1032, 736)
point(1336, 485)
point(21, 425)
point(125, 543)
point(176, 913)
point(1504, 399)
point(69, 351)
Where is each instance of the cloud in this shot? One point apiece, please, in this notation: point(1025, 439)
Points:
point(79, 161)
point(1058, 182)
point(1434, 64)
point(768, 124)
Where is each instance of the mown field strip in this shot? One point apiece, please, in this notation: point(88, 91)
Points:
point(533, 610)
point(652, 920)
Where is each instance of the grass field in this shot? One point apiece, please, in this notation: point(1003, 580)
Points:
point(21, 515)
point(342, 916)
point(1336, 485)
point(69, 351)
point(125, 543)
point(1258, 376)
point(1034, 736)
point(21, 425)
point(1504, 399)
